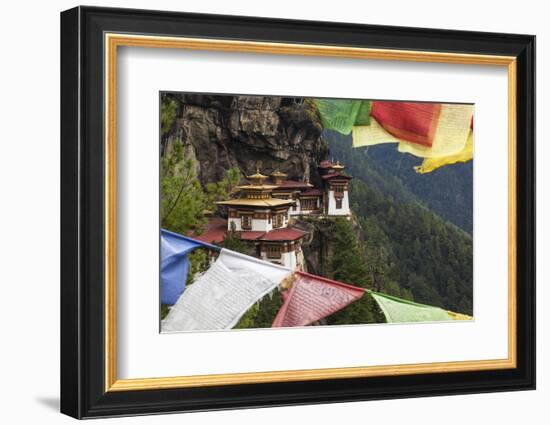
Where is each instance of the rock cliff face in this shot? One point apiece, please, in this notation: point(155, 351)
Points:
point(319, 247)
point(247, 132)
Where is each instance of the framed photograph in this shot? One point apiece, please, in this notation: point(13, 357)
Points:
point(261, 212)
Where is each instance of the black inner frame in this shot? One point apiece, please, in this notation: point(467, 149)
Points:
point(82, 209)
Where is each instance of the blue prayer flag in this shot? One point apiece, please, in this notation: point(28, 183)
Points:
point(174, 264)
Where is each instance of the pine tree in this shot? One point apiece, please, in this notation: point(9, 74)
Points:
point(348, 265)
point(168, 109)
point(262, 314)
point(348, 261)
point(221, 190)
point(364, 310)
point(183, 200)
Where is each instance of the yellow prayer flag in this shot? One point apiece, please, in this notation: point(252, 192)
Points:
point(431, 164)
point(459, 316)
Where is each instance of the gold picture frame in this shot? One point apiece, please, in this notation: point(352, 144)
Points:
point(114, 41)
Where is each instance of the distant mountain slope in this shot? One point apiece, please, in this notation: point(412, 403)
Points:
point(447, 191)
point(412, 252)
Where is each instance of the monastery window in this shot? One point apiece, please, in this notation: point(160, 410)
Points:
point(338, 203)
point(338, 189)
point(246, 222)
point(273, 251)
point(278, 220)
point(308, 204)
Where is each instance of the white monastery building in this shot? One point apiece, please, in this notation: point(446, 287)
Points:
point(261, 211)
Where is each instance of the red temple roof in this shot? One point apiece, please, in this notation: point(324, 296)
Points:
point(284, 234)
point(333, 175)
point(214, 232)
point(293, 184)
point(325, 164)
point(312, 192)
point(251, 235)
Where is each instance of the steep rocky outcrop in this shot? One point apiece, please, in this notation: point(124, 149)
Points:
point(320, 245)
point(247, 132)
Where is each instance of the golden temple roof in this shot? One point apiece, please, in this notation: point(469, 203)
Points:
point(268, 202)
point(278, 173)
point(257, 187)
point(337, 166)
point(257, 175)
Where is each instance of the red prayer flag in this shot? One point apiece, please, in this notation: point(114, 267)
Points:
point(312, 298)
point(413, 122)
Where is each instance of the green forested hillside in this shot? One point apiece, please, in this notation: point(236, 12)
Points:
point(447, 191)
point(413, 253)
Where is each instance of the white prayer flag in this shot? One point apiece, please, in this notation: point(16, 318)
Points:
point(237, 262)
point(222, 294)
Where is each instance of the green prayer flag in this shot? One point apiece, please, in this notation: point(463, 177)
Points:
point(363, 115)
point(397, 310)
point(342, 115)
